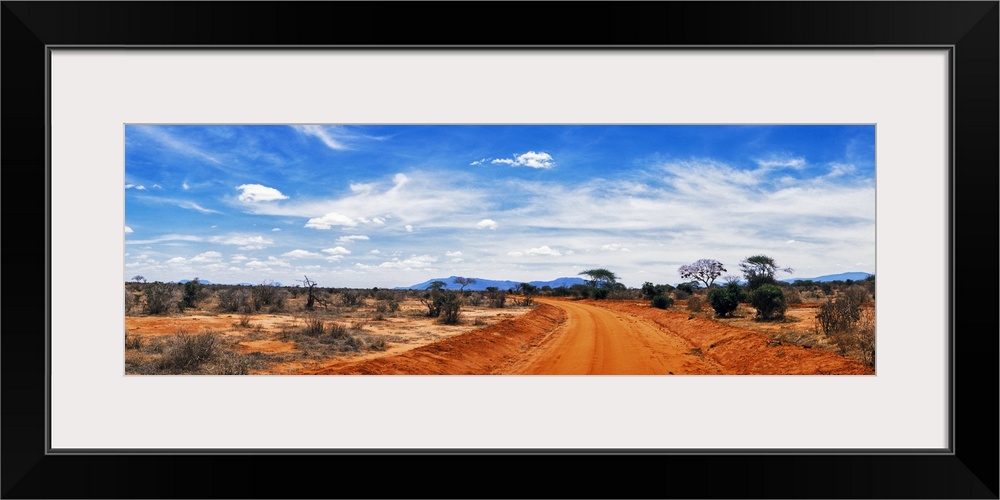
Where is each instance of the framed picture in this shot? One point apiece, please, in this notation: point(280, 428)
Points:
point(127, 85)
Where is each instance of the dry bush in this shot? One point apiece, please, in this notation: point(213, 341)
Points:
point(245, 320)
point(792, 296)
point(695, 303)
point(314, 326)
point(160, 297)
point(235, 299)
point(133, 341)
point(186, 353)
point(352, 299)
point(231, 363)
point(859, 340)
point(480, 321)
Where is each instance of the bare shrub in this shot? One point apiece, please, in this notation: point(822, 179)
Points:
point(235, 299)
point(130, 300)
point(231, 363)
point(495, 297)
point(186, 353)
point(841, 314)
point(352, 298)
point(245, 320)
point(266, 295)
point(695, 303)
point(792, 296)
point(314, 326)
point(159, 298)
point(475, 299)
point(133, 341)
point(480, 321)
point(859, 340)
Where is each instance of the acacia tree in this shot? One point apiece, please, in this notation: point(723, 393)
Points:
point(600, 277)
point(463, 282)
point(760, 270)
point(703, 271)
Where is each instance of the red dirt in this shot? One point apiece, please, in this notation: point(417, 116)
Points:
point(604, 337)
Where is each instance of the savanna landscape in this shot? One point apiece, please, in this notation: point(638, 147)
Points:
point(599, 328)
point(412, 249)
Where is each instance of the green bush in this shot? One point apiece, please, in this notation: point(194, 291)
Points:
point(601, 293)
point(662, 302)
point(451, 305)
point(193, 293)
point(769, 301)
point(725, 300)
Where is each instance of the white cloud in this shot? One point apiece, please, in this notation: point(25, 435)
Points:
point(457, 253)
point(487, 224)
point(839, 169)
point(413, 262)
point(176, 260)
point(346, 240)
point(529, 159)
point(300, 254)
point(480, 162)
point(157, 186)
point(244, 242)
point(542, 250)
point(276, 229)
point(614, 247)
point(238, 258)
point(141, 188)
point(329, 220)
point(253, 193)
point(128, 230)
point(190, 205)
point(337, 251)
point(129, 186)
point(782, 162)
point(409, 228)
point(210, 256)
point(185, 186)
point(375, 252)
point(324, 134)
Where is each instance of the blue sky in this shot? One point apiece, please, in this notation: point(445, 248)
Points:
point(385, 206)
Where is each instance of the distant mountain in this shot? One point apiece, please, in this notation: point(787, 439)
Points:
point(203, 282)
point(856, 276)
point(206, 282)
point(482, 283)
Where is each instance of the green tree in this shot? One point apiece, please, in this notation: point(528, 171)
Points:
point(463, 282)
point(760, 270)
point(527, 290)
point(192, 294)
point(769, 301)
point(600, 277)
point(725, 300)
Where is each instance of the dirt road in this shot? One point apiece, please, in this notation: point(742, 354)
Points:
point(597, 341)
point(604, 337)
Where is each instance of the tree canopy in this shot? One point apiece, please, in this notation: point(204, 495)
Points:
point(600, 277)
point(760, 270)
point(704, 271)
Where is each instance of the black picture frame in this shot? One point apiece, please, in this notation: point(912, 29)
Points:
point(970, 470)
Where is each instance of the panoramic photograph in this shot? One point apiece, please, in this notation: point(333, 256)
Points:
point(584, 249)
